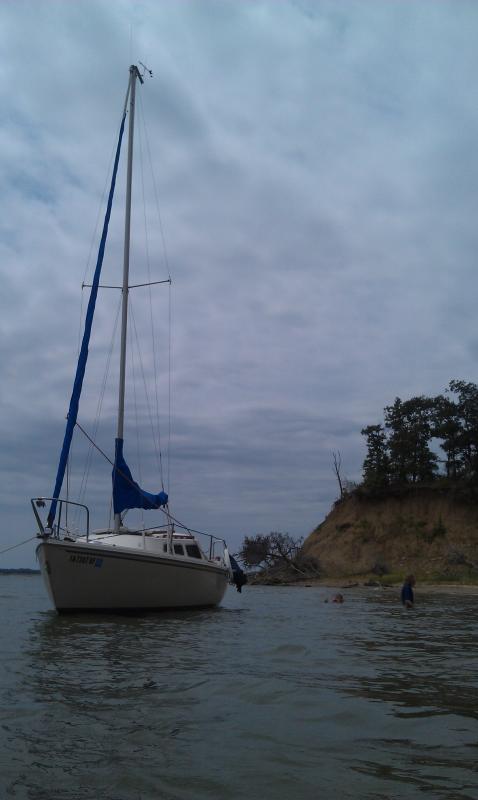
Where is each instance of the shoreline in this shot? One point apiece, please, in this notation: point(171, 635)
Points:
point(342, 584)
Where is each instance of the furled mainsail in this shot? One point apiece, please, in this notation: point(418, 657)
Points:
point(126, 492)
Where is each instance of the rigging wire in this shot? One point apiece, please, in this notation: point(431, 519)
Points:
point(150, 294)
point(110, 512)
point(166, 511)
point(156, 437)
point(166, 261)
point(135, 401)
point(155, 189)
point(99, 407)
point(13, 546)
point(169, 383)
point(94, 236)
point(157, 451)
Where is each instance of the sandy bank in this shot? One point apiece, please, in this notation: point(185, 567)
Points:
point(422, 587)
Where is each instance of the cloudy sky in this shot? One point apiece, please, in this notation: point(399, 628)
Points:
point(317, 178)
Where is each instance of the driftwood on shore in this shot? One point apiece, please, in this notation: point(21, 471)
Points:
point(282, 574)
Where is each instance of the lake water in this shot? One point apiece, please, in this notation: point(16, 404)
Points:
point(274, 695)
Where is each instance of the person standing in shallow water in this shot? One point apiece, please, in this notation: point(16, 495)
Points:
point(407, 596)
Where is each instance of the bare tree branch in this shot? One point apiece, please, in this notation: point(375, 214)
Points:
point(337, 465)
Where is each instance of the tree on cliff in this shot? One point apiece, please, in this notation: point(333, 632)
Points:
point(468, 419)
point(402, 451)
point(376, 467)
point(447, 427)
point(410, 426)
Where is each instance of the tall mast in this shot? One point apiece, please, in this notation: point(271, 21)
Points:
point(133, 75)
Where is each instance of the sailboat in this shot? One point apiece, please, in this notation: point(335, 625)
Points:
point(118, 568)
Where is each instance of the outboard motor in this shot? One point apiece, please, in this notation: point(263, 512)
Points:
point(239, 577)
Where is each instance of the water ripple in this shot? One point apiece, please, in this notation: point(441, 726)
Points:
point(274, 695)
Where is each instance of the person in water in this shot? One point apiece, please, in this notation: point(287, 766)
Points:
point(339, 598)
point(407, 596)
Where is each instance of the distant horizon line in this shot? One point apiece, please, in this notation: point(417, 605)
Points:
point(19, 570)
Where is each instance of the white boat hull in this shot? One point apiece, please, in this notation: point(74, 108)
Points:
point(85, 577)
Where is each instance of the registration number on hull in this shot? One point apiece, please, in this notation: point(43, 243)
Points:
point(86, 561)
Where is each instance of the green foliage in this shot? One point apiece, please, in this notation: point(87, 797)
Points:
point(400, 453)
point(447, 427)
point(392, 578)
point(466, 576)
point(376, 467)
point(467, 409)
point(410, 424)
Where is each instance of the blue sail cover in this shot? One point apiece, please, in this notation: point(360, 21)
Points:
point(83, 357)
point(127, 493)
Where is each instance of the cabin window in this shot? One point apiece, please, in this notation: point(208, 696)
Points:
point(178, 549)
point(165, 548)
point(193, 551)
